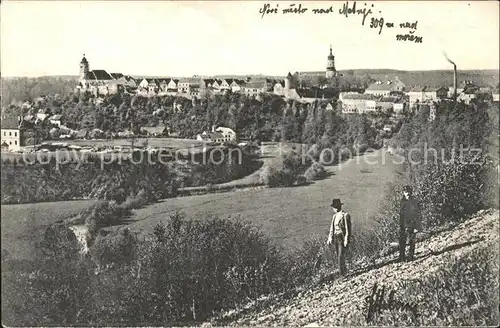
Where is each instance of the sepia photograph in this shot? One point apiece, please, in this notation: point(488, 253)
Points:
point(250, 163)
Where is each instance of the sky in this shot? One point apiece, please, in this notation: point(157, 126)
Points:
point(182, 38)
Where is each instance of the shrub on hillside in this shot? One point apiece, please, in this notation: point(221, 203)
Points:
point(204, 266)
point(276, 176)
point(58, 240)
point(116, 248)
point(283, 172)
point(51, 289)
point(307, 261)
point(104, 214)
point(315, 171)
point(468, 293)
point(142, 198)
point(450, 190)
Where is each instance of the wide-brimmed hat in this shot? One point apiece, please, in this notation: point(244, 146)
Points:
point(336, 202)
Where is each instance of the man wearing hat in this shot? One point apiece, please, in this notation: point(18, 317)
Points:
point(410, 222)
point(340, 233)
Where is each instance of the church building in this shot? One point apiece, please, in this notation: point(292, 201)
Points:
point(99, 81)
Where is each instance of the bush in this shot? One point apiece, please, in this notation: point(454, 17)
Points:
point(142, 198)
point(315, 171)
point(273, 176)
point(117, 248)
point(104, 214)
point(468, 293)
point(283, 172)
point(450, 190)
point(305, 263)
point(205, 266)
point(301, 180)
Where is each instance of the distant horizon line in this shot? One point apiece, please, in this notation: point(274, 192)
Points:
point(261, 74)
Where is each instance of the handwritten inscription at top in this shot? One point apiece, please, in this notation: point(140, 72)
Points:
point(370, 17)
point(346, 11)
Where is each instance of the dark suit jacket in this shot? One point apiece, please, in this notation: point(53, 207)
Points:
point(410, 214)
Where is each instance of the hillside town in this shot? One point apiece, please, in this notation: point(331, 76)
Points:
point(389, 96)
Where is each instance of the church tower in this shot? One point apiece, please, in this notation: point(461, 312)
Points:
point(84, 68)
point(289, 81)
point(330, 65)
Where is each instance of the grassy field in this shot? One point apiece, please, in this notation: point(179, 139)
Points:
point(290, 215)
point(22, 225)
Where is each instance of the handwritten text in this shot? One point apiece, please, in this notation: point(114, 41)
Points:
point(369, 14)
point(375, 303)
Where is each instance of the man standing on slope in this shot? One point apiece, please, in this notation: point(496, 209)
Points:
point(340, 233)
point(410, 222)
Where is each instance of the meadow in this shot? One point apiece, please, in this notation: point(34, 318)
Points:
point(289, 215)
point(22, 225)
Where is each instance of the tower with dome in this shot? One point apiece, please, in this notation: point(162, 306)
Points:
point(330, 65)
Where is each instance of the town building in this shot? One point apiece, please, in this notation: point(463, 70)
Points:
point(55, 120)
point(101, 82)
point(237, 85)
point(149, 86)
point(172, 85)
point(219, 135)
point(383, 104)
point(252, 89)
point(421, 94)
point(467, 95)
point(380, 88)
point(399, 107)
point(187, 85)
point(227, 133)
point(435, 93)
point(11, 134)
point(355, 103)
point(210, 137)
point(496, 94)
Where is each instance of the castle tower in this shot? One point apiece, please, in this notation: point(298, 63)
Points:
point(84, 68)
point(330, 65)
point(289, 81)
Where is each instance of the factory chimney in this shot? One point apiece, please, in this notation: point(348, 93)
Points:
point(454, 76)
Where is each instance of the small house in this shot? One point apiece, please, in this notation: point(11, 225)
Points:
point(55, 120)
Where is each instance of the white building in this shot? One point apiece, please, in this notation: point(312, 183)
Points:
point(496, 95)
point(380, 88)
point(210, 137)
point(355, 103)
point(227, 133)
point(55, 120)
point(11, 136)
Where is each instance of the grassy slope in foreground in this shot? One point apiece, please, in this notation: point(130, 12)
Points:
point(453, 281)
point(290, 215)
point(23, 224)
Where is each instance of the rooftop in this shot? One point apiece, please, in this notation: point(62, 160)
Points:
point(99, 74)
point(256, 85)
point(9, 122)
point(358, 96)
